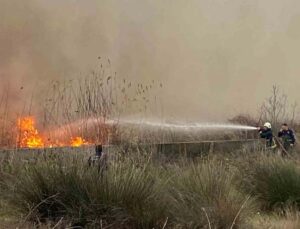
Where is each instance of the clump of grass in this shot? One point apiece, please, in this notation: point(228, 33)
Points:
point(132, 192)
point(123, 196)
point(275, 182)
point(205, 196)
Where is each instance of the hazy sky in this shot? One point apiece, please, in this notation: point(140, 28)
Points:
point(215, 58)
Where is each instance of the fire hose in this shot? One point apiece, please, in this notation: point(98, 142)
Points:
point(278, 142)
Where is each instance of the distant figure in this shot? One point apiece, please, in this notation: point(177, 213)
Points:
point(267, 133)
point(98, 150)
point(98, 153)
point(287, 136)
point(99, 160)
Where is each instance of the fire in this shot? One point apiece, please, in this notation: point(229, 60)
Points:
point(29, 136)
point(78, 141)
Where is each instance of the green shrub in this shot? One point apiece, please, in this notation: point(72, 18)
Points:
point(131, 193)
point(205, 195)
point(123, 196)
point(275, 182)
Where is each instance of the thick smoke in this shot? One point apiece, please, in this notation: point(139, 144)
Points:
point(215, 58)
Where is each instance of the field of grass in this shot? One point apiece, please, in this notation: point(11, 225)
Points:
point(248, 190)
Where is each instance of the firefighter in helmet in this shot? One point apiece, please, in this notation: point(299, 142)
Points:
point(267, 133)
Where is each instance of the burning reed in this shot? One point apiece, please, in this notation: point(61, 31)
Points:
point(29, 137)
point(60, 115)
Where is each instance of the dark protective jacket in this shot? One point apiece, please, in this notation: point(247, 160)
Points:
point(287, 136)
point(268, 135)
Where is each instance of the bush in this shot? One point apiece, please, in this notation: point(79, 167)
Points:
point(275, 182)
point(123, 196)
point(132, 192)
point(205, 196)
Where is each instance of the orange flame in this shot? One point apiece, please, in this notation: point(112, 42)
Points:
point(78, 141)
point(29, 135)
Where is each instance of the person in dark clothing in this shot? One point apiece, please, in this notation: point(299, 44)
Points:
point(98, 153)
point(287, 136)
point(98, 150)
point(267, 133)
point(100, 159)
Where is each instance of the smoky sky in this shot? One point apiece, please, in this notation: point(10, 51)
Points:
point(215, 58)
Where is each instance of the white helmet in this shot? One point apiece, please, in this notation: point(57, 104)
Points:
point(268, 125)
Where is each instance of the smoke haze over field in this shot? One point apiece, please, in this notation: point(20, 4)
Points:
point(215, 58)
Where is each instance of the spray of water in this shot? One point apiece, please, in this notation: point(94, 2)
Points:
point(152, 124)
point(185, 126)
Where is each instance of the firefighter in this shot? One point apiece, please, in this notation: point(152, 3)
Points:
point(287, 136)
point(267, 133)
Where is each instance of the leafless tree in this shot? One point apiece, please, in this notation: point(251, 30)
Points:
point(294, 108)
point(276, 109)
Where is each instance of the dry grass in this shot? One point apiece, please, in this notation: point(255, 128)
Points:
point(133, 193)
point(289, 221)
